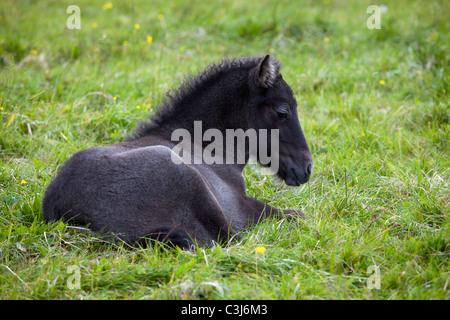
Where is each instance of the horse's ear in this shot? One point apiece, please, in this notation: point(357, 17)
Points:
point(266, 72)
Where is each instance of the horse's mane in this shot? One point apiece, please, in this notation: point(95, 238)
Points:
point(194, 83)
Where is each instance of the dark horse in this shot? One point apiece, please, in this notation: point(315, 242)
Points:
point(135, 190)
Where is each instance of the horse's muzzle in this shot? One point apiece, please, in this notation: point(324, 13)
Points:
point(297, 175)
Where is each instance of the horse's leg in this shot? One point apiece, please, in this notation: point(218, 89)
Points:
point(190, 213)
point(203, 224)
point(206, 221)
point(258, 210)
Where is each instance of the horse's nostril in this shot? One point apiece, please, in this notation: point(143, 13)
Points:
point(309, 169)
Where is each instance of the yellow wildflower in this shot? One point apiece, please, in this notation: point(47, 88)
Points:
point(115, 98)
point(149, 39)
point(94, 25)
point(10, 119)
point(107, 6)
point(23, 181)
point(138, 107)
point(260, 249)
point(326, 39)
point(382, 82)
point(34, 52)
point(137, 26)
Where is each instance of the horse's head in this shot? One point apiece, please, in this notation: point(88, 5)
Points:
point(275, 107)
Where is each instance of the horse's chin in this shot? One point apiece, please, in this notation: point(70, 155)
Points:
point(293, 178)
point(292, 182)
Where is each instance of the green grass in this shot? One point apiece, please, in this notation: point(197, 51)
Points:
point(379, 194)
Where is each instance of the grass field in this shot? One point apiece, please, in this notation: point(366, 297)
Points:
point(374, 106)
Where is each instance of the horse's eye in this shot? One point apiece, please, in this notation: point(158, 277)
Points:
point(282, 111)
point(282, 114)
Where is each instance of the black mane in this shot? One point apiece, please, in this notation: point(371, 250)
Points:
point(174, 99)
